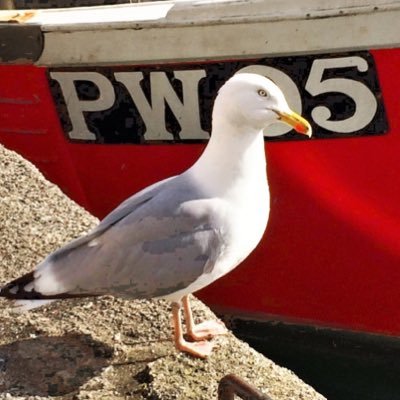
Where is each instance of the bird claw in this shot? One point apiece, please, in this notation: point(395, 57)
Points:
point(207, 330)
point(196, 349)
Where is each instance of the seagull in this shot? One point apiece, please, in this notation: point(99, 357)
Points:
point(178, 235)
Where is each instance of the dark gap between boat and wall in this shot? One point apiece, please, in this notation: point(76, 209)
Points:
point(341, 365)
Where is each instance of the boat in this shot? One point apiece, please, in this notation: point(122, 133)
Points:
point(106, 100)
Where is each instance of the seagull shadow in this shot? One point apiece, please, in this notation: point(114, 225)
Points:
point(51, 366)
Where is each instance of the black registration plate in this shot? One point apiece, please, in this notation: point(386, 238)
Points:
point(339, 94)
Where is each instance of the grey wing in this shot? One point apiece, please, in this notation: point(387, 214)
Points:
point(126, 207)
point(130, 204)
point(162, 265)
point(152, 252)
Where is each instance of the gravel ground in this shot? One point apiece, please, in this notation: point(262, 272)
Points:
point(103, 348)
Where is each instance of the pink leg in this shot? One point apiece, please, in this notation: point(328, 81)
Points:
point(198, 349)
point(203, 331)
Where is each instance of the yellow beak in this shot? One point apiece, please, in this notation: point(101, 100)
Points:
point(296, 121)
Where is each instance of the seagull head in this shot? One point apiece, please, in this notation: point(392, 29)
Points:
point(252, 100)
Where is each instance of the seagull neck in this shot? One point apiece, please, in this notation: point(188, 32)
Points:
point(233, 154)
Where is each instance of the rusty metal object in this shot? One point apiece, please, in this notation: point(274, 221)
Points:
point(231, 385)
point(14, 16)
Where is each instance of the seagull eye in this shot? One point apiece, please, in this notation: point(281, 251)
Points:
point(262, 93)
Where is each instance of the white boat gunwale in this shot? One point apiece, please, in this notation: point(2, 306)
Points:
point(185, 31)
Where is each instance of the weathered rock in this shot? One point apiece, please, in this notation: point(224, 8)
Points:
point(103, 348)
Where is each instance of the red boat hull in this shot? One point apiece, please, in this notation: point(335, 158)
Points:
point(331, 253)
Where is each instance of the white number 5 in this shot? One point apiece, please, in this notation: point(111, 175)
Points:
point(366, 104)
